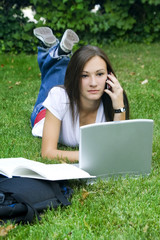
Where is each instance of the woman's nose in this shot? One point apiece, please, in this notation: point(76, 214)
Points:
point(93, 81)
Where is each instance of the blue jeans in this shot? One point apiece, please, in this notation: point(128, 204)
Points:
point(53, 69)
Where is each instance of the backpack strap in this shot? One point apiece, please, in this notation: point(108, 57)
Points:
point(31, 211)
point(57, 190)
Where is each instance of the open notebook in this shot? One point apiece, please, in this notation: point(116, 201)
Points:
point(116, 148)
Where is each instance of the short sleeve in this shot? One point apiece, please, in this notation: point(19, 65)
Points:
point(57, 102)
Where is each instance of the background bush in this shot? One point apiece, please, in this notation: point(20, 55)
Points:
point(116, 21)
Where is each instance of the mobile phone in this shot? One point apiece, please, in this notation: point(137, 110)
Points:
point(107, 86)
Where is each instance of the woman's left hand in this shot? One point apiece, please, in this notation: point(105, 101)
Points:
point(115, 91)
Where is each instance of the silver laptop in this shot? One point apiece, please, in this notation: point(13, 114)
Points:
point(116, 148)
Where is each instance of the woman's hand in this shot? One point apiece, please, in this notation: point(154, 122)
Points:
point(115, 91)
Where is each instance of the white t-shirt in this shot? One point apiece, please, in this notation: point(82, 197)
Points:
point(57, 103)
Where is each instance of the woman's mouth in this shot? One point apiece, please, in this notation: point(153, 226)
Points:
point(93, 91)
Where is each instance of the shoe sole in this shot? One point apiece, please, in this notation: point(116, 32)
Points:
point(45, 34)
point(70, 37)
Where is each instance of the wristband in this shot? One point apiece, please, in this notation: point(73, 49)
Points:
point(121, 110)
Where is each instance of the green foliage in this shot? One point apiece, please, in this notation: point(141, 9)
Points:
point(74, 14)
point(15, 30)
point(115, 22)
point(154, 2)
point(133, 21)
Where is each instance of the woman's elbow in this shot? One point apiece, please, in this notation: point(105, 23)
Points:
point(45, 153)
point(48, 153)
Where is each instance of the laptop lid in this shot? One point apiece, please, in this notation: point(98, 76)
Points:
point(116, 148)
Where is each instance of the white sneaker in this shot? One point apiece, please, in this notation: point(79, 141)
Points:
point(68, 40)
point(45, 35)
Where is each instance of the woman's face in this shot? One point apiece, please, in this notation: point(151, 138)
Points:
point(93, 79)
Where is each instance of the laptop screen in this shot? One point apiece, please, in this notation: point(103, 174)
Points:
point(116, 148)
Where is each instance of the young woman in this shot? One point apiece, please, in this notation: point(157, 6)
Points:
point(90, 93)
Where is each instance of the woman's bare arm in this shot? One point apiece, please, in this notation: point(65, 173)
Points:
point(50, 139)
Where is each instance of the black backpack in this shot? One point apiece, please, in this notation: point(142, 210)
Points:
point(21, 199)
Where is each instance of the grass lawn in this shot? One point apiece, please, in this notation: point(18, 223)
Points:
point(122, 209)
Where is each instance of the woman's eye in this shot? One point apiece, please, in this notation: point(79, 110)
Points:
point(100, 74)
point(84, 76)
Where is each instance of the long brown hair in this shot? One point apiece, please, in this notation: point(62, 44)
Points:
point(73, 79)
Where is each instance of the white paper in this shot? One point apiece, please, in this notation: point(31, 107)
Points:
point(32, 169)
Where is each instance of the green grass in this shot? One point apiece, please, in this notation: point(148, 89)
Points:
point(122, 209)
